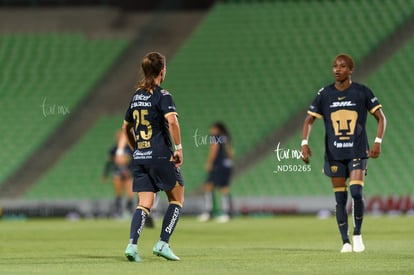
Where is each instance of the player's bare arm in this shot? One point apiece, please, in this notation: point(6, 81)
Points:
point(382, 123)
point(307, 127)
point(174, 127)
point(126, 129)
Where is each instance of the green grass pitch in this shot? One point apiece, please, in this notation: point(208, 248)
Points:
point(262, 245)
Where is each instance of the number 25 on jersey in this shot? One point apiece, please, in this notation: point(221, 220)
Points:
point(142, 136)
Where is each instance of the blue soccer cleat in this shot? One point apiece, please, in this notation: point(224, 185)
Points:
point(163, 249)
point(131, 252)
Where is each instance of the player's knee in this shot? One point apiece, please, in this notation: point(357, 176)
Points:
point(356, 192)
point(225, 190)
point(208, 187)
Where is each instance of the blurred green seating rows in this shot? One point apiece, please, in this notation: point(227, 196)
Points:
point(254, 65)
point(41, 75)
point(389, 175)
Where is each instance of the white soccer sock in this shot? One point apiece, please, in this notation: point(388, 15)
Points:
point(208, 202)
point(225, 203)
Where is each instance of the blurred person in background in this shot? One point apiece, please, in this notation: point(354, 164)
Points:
point(118, 163)
point(219, 167)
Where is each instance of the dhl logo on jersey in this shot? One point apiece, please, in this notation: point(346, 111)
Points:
point(339, 104)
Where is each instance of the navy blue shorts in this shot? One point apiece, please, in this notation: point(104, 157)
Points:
point(155, 177)
point(220, 176)
point(342, 168)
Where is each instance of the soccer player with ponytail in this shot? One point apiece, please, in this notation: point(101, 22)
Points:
point(152, 129)
point(343, 106)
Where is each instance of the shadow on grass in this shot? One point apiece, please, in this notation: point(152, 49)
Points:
point(118, 258)
point(290, 249)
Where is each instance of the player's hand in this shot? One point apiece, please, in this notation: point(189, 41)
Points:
point(178, 158)
point(306, 153)
point(375, 150)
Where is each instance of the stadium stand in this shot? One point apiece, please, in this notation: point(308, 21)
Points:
point(77, 175)
point(393, 85)
point(387, 176)
point(254, 65)
point(43, 78)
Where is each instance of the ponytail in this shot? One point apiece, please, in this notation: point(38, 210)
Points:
point(152, 65)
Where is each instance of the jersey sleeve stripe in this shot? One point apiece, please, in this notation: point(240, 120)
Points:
point(375, 108)
point(127, 122)
point(315, 114)
point(170, 113)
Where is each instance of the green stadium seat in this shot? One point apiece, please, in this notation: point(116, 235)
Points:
point(254, 64)
point(47, 66)
point(78, 174)
point(272, 55)
point(387, 176)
